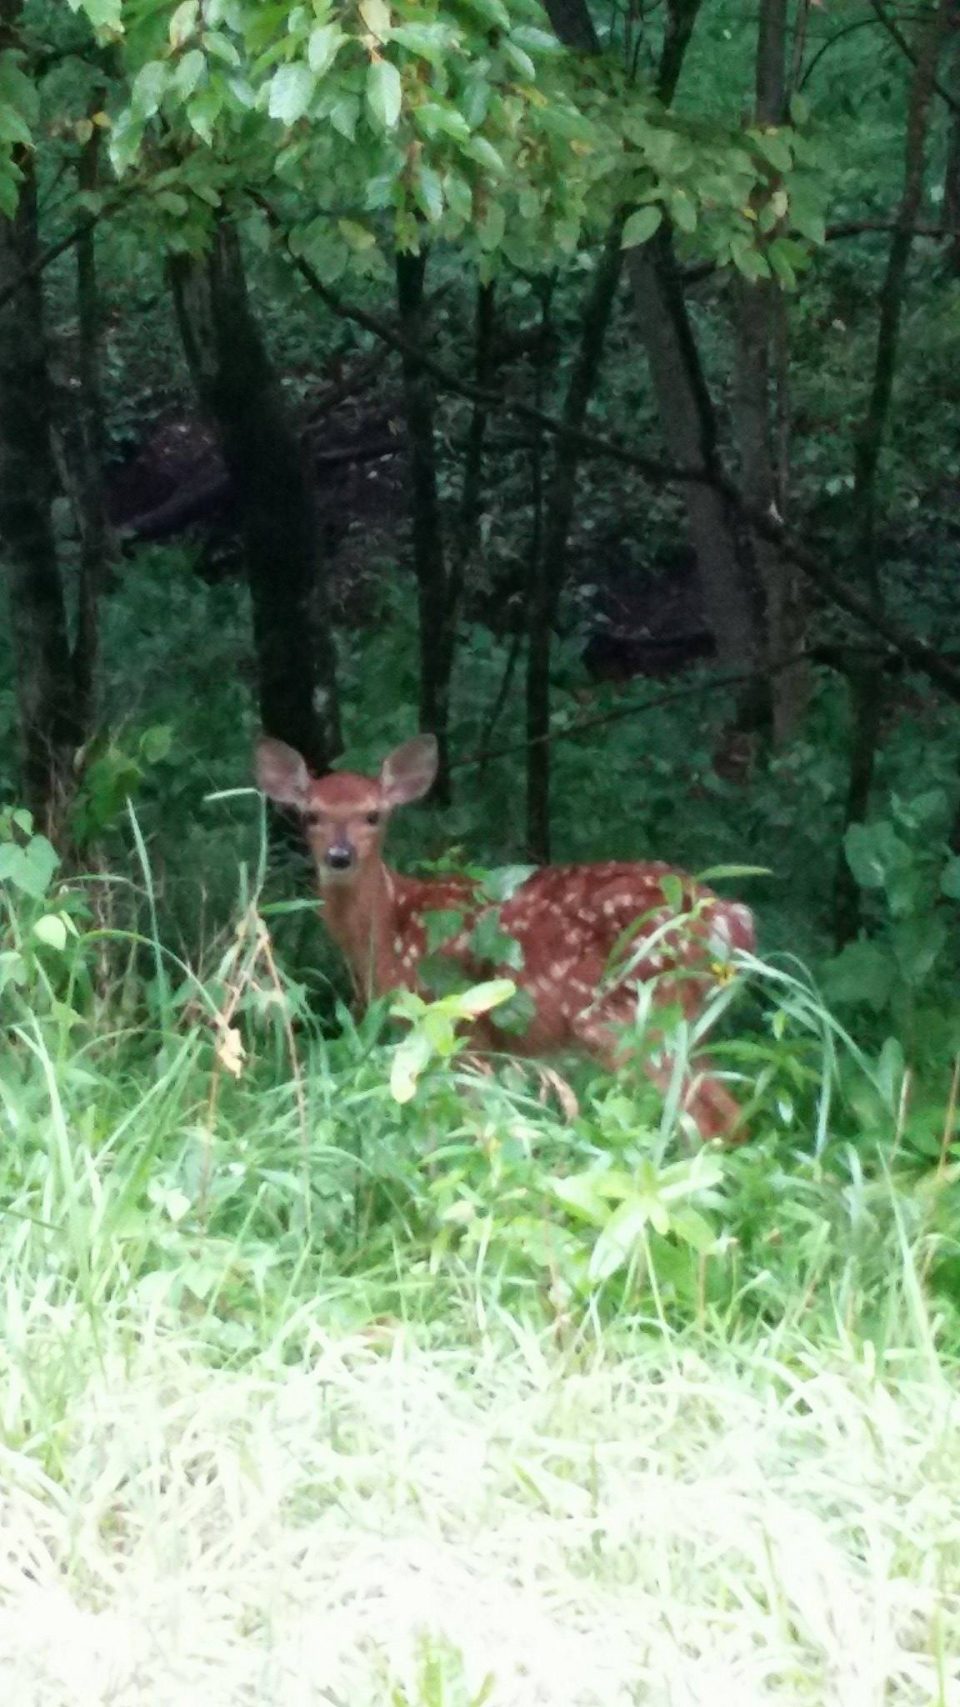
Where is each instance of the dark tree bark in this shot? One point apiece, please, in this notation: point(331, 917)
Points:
point(91, 508)
point(541, 357)
point(951, 173)
point(760, 413)
point(727, 569)
point(237, 387)
point(688, 421)
point(50, 729)
point(466, 531)
point(436, 617)
point(689, 424)
point(867, 685)
point(548, 570)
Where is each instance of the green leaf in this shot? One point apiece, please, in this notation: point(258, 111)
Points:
point(29, 869)
point(189, 71)
point(17, 89)
point(618, 1239)
point(203, 110)
point(155, 742)
point(751, 264)
point(861, 972)
point(489, 941)
point(292, 88)
point(434, 120)
point(918, 943)
point(459, 200)
point(492, 12)
point(441, 925)
point(950, 878)
point(694, 1229)
point(183, 23)
point(51, 930)
point(322, 48)
point(483, 997)
point(428, 41)
point(409, 1059)
point(500, 884)
point(521, 61)
point(640, 226)
point(103, 14)
point(579, 1194)
point(491, 227)
point(872, 851)
point(683, 211)
point(359, 237)
point(672, 889)
point(149, 88)
point(479, 149)
point(537, 41)
point(428, 192)
point(376, 16)
point(384, 93)
point(344, 115)
point(775, 147)
point(220, 46)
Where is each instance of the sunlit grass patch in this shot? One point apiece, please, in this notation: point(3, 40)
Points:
point(384, 1523)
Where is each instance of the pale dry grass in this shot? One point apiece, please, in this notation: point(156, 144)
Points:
point(673, 1527)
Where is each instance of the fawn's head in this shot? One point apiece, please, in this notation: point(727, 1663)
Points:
point(344, 815)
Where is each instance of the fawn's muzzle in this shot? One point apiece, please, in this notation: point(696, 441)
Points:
point(340, 857)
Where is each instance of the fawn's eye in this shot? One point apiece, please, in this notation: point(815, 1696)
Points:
point(312, 819)
point(373, 817)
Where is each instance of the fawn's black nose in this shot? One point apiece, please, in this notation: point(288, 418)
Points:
point(339, 858)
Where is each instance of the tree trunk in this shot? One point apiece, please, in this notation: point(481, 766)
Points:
point(50, 729)
point(760, 334)
point(92, 508)
point(435, 615)
point(688, 420)
point(237, 387)
point(867, 689)
point(548, 571)
point(951, 171)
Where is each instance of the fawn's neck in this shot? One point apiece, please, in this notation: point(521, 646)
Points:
point(359, 917)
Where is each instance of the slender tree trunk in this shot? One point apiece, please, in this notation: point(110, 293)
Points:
point(760, 333)
point(436, 618)
point(688, 421)
point(536, 525)
point(50, 729)
point(951, 173)
point(234, 378)
point(465, 540)
point(92, 508)
point(548, 573)
point(867, 686)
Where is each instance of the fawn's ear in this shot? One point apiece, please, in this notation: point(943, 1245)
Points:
point(408, 772)
point(281, 773)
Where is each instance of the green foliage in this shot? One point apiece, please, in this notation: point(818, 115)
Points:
point(432, 1034)
point(904, 865)
point(38, 922)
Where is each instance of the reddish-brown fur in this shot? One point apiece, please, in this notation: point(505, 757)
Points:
point(565, 918)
